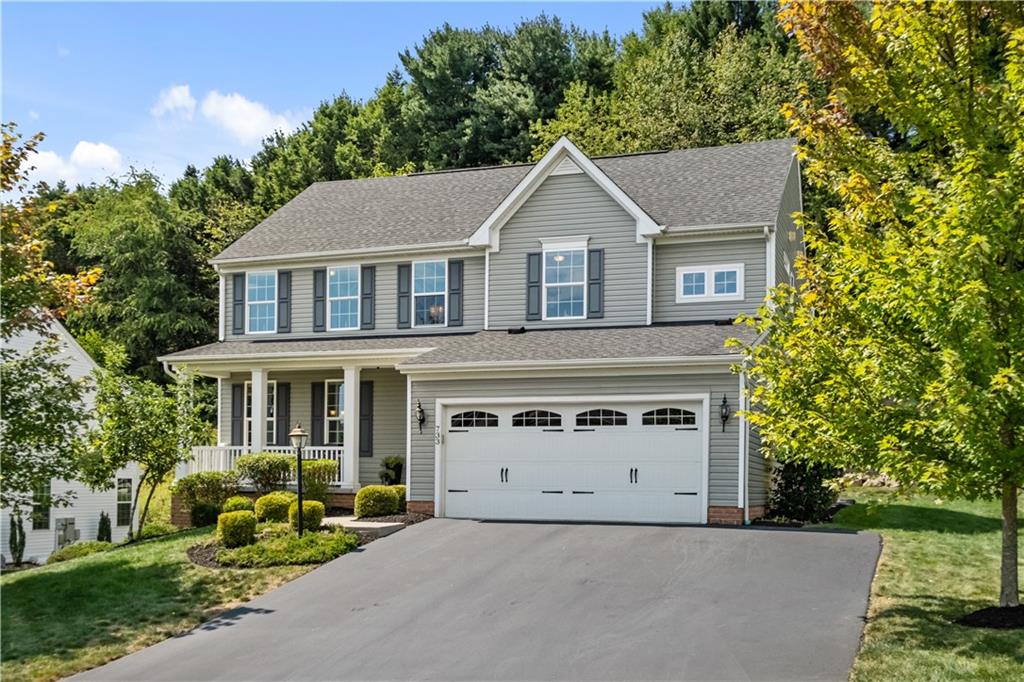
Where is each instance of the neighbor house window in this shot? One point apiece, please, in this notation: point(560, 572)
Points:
point(429, 292)
point(343, 297)
point(271, 423)
point(334, 412)
point(564, 283)
point(41, 507)
point(709, 283)
point(261, 302)
point(124, 501)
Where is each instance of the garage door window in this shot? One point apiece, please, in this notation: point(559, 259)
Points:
point(669, 416)
point(474, 419)
point(537, 418)
point(601, 417)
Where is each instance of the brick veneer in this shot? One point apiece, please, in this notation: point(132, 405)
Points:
point(757, 512)
point(420, 507)
point(181, 515)
point(732, 516)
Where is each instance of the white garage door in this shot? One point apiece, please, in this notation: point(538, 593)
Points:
point(591, 461)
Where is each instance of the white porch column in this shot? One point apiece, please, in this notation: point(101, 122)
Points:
point(259, 409)
point(352, 425)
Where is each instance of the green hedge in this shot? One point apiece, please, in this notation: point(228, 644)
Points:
point(391, 468)
point(377, 500)
point(311, 548)
point(312, 514)
point(79, 549)
point(400, 489)
point(237, 528)
point(274, 506)
point(238, 503)
point(267, 471)
point(317, 475)
point(800, 491)
point(205, 492)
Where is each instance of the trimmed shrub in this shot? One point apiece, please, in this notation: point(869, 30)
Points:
point(103, 533)
point(400, 489)
point(285, 550)
point(79, 549)
point(800, 492)
point(237, 528)
point(237, 503)
point(312, 514)
point(266, 471)
point(274, 506)
point(317, 475)
point(391, 469)
point(156, 529)
point(377, 500)
point(206, 489)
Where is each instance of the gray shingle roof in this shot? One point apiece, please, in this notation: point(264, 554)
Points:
point(229, 349)
point(735, 184)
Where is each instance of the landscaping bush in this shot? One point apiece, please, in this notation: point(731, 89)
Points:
point(206, 489)
point(156, 529)
point(238, 503)
point(237, 528)
point(800, 492)
point(311, 548)
point(377, 500)
point(400, 489)
point(274, 506)
point(312, 514)
point(103, 533)
point(391, 469)
point(202, 514)
point(317, 475)
point(266, 471)
point(79, 549)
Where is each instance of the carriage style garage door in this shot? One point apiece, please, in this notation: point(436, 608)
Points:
point(592, 461)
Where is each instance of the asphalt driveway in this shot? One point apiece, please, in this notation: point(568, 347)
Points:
point(464, 600)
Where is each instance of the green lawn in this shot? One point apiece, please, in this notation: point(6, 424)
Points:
point(65, 618)
point(940, 560)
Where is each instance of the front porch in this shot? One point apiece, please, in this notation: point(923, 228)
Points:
point(225, 457)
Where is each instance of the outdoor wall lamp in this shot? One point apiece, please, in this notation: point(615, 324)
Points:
point(421, 416)
point(724, 411)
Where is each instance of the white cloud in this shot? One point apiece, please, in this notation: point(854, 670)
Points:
point(89, 161)
point(248, 121)
point(96, 155)
point(176, 99)
point(34, 115)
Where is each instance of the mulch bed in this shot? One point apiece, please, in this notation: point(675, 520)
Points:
point(998, 617)
point(204, 554)
point(408, 518)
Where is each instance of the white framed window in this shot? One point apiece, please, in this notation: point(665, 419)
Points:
point(430, 293)
point(709, 283)
point(124, 502)
point(271, 422)
point(343, 297)
point(261, 302)
point(565, 283)
point(334, 412)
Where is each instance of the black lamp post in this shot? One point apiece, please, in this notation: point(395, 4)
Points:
point(298, 438)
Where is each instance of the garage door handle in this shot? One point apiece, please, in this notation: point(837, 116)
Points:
point(552, 492)
point(684, 493)
point(457, 491)
point(636, 475)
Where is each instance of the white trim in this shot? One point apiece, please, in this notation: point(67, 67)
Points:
point(576, 245)
point(358, 296)
point(624, 370)
point(325, 419)
point(350, 450)
point(321, 354)
point(220, 410)
point(584, 363)
point(670, 231)
point(741, 478)
point(248, 317)
point(221, 322)
point(770, 258)
point(326, 256)
point(709, 283)
point(413, 294)
point(487, 289)
point(650, 281)
point(567, 167)
point(565, 243)
point(249, 432)
point(704, 236)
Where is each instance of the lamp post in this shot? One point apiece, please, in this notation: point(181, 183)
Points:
point(298, 438)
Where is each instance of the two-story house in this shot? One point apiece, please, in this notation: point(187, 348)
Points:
point(539, 341)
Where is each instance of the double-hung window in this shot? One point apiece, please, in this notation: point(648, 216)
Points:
point(271, 422)
point(41, 507)
point(709, 283)
point(565, 276)
point(430, 293)
point(261, 302)
point(343, 297)
point(334, 412)
point(124, 501)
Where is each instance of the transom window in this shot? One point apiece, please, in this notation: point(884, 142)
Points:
point(430, 293)
point(334, 412)
point(601, 417)
point(709, 283)
point(565, 275)
point(537, 418)
point(669, 416)
point(343, 297)
point(271, 422)
point(124, 501)
point(473, 419)
point(261, 302)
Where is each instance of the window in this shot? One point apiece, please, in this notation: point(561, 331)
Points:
point(343, 297)
point(429, 293)
point(261, 302)
point(334, 412)
point(124, 501)
point(564, 283)
point(271, 429)
point(41, 507)
point(601, 417)
point(464, 420)
point(709, 283)
point(669, 416)
point(537, 418)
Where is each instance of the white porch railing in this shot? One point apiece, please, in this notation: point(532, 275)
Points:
point(224, 458)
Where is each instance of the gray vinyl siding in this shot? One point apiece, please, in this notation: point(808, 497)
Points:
point(757, 470)
point(668, 257)
point(788, 235)
point(385, 303)
point(724, 454)
point(564, 206)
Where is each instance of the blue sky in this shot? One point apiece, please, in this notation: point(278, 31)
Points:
point(160, 86)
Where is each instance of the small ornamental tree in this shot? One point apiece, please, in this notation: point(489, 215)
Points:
point(103, 533)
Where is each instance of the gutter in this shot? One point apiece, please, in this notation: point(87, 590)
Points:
point(485, 365)
point(368, 251)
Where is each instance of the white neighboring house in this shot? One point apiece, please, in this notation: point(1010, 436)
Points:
point(51, 527)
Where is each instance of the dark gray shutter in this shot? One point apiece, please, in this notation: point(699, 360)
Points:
point(238, 414)
point(238, 303)
point(404, 295)
point(366, 419)
point(316, 418)
point(282, 410)
point(366, 295)
point(320, 300)
point(595, 283)
point(533, 286)
point(455, 293)
point(284, 301)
